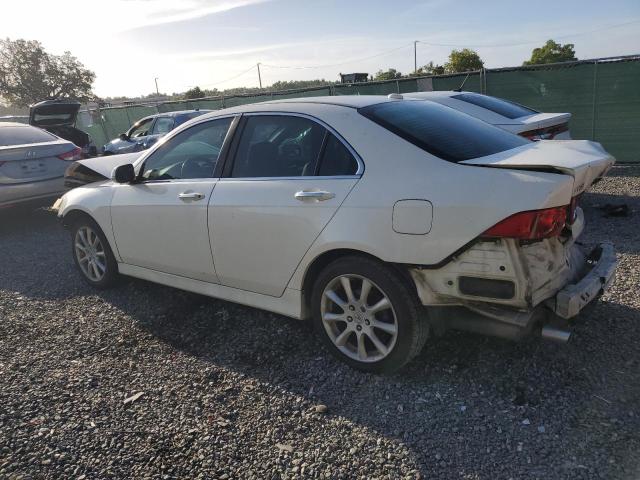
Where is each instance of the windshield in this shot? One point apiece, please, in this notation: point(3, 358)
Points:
point(497, 105)
point(440, 130)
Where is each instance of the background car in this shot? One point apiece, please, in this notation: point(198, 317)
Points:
point(59, 117)
point(504, 114)
point(32, 163)
point(146, 131)
point(381, 220)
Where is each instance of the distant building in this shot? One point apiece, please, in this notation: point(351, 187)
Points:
point(353, 77)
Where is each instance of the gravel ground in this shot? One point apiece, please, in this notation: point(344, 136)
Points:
point(145, 381)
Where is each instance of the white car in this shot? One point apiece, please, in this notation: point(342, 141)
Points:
point(505, 114)
point(357, 212)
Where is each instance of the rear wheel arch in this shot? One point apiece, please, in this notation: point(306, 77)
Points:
point(324, 259)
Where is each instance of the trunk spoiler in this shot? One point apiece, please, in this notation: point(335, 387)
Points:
point(584, 160)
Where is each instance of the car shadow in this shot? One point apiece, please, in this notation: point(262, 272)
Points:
point(462, 394)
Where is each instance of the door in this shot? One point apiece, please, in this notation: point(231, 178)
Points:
point(160, 222)
point(288, 177)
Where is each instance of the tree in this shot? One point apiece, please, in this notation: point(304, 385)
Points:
point(295, 84)
point(428, 69)
point(28, 74)
point(464, 60)
point(552, 52)
point(390, 74)
point(193, 93)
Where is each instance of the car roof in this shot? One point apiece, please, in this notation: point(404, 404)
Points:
point(347, 101)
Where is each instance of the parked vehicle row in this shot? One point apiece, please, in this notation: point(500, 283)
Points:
point(383, 220)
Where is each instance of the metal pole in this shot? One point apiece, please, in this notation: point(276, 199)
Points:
point(157, 91)
point(415, 56)
point(595, 100)
point(259, 77)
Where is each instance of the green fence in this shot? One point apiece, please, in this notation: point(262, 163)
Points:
point(603, 96)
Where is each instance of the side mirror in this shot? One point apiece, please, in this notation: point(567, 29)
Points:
point(124, 174)
point(123, 136)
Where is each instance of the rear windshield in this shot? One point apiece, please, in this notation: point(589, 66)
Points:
point(442, 131)
point(498, 105)
point(23, 136)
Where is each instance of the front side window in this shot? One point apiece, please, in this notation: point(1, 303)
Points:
point(192, 153)
point(278, 146)
point(141, 129)
point(440, 130)
point(497, 105)
point(163, 125)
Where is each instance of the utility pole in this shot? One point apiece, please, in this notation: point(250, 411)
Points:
point(415, 56)
point(157, 91)
point(259, 77)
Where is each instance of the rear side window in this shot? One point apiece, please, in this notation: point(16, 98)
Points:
point(337, 159)
point(498, 105)
point(440, 130)
point(23, 136)
point(278, 146)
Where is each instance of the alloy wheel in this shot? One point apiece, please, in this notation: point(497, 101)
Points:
point(90, 254)
point(359, 318)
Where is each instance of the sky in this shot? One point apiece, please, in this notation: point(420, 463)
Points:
point(217, 43)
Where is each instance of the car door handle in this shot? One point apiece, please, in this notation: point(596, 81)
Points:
point(190, 196)
point(314, 195)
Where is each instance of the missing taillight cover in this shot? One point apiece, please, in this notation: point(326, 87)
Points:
point(531, 225)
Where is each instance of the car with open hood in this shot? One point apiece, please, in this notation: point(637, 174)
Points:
point(381, 220)
point(59, 117)
point(505, 114)
point(148, 130)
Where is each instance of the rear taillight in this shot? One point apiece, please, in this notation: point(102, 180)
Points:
point(71, 155)
point(531, 225)
point(548, 133)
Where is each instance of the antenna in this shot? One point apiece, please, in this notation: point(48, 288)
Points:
point(459, 89)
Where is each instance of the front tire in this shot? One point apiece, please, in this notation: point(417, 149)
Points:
point(367, 316)
point(92, 254)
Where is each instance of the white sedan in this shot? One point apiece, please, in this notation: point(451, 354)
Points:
point(509, 116)
point(380, 219)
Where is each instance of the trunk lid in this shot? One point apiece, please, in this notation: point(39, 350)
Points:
point(584, 160)
point(543, 120)
point(50, 113)
point(31, 163)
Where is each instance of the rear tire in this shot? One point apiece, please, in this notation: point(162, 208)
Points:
point(379, 332)
point(92, 254)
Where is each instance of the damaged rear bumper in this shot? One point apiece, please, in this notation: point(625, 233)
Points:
point(569, 301)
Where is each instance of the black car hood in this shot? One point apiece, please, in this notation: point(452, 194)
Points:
point(51, 113)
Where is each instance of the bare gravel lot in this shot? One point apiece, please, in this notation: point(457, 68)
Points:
point(233, 392)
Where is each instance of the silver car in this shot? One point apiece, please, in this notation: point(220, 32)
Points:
point(32, 163)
